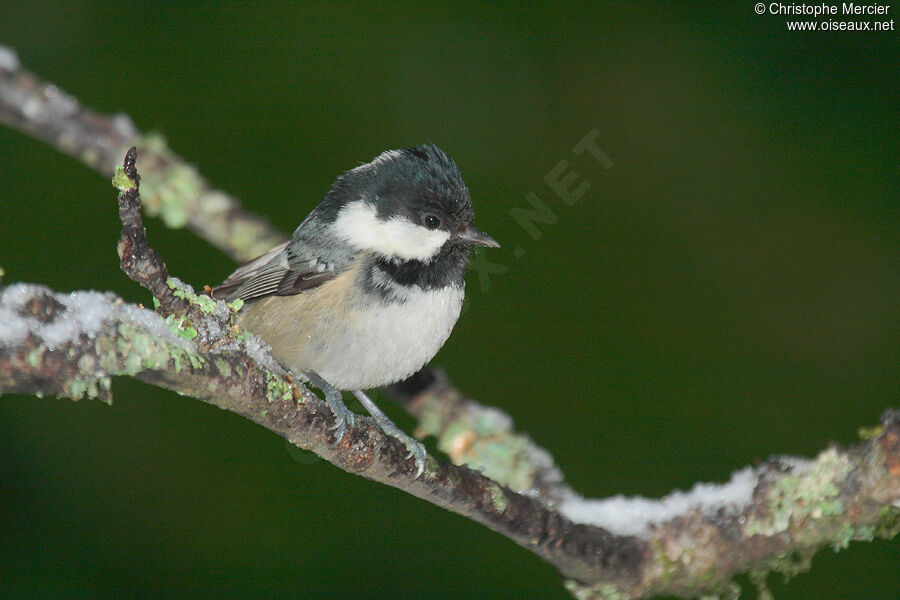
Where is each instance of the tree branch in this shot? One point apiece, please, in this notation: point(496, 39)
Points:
point(773, 517)
point(686, 544)
point(72, 344)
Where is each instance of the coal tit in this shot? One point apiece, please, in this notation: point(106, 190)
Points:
point(371, 283)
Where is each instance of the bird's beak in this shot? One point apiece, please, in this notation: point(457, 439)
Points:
point(478, 238)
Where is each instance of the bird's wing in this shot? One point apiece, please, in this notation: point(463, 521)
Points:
point(282, 271)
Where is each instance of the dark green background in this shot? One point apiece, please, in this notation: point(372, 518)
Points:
point(727, 291)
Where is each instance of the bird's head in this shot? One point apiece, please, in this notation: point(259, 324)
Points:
point(408, 204)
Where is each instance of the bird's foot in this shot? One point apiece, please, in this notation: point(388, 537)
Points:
point(344, 418)
point(416, 450)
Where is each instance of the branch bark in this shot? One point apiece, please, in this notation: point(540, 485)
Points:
point(686, 544)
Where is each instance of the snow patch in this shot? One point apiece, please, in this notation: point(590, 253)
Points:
point(258, 350)
point(84, 313)
point(635, 515)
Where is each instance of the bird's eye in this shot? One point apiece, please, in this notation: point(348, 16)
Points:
point(431, 222)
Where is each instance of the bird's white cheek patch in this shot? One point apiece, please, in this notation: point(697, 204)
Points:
point(358, 225)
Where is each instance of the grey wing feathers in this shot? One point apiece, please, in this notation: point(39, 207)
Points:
point(275, 273)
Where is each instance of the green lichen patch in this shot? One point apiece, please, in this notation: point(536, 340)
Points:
point(222, 367)
point(500, 455)
point(482, 440)
point(888, 522)
point(136, 350)
point(867, 433)
point(810, 495)
point(179, 326)
point(121, 181)
point(277, 388)
point(180, 290)
point(36, 357)
point(498, 499)
point(431, 421)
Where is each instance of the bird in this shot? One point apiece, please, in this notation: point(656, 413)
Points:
point(371, 283)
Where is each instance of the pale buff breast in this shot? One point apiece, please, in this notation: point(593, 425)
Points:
point(354, 341)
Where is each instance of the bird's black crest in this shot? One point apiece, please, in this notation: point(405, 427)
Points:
point(408, 181)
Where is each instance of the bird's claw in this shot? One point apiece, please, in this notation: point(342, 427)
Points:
point(343, 420)
point(340, 430)
point(417, 451)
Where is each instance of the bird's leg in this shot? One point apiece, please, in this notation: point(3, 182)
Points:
point(416, 449)
point(343, 416)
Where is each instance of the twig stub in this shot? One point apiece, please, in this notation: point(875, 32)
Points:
point(137, 259)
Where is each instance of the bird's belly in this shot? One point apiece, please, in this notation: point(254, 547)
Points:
point(366, 346)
